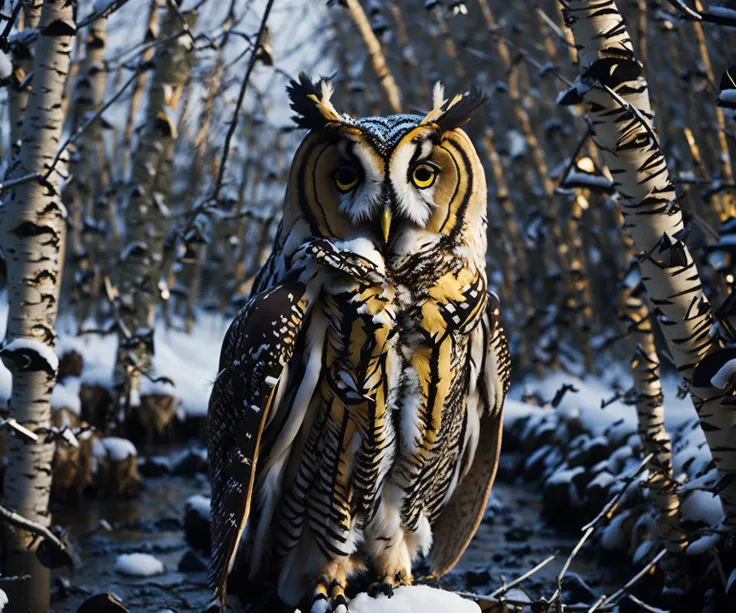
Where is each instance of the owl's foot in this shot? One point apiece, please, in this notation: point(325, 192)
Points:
point(389, 582)
point(328, 595)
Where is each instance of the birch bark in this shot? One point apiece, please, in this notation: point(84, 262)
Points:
point(146, 212)
point(614, 90)
point(32, 229)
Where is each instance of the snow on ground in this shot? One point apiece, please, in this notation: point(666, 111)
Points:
point(586, 403)
point(189, 360)
point(414, 599)
point(139, 565)
point(66, 395)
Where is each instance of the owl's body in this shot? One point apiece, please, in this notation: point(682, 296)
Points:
point(356, 418)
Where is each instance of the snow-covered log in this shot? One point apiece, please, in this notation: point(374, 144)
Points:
point(614, 89)
point(32, 230)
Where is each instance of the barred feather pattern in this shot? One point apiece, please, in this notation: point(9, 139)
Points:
point(369, 377)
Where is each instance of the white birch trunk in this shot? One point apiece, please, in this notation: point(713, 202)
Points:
point(32, 230)
point(624, 130)
point(146, 212)
point(22, 66)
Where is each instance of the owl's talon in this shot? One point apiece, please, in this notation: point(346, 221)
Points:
point(387, 588)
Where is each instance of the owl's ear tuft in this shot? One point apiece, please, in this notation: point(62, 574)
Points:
point(451, 114)
point(312, 102)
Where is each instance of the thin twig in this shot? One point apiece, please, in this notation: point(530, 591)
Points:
point(239, 104)
point(88, 123)
point(620, 592)
point(94, 16)
point(611, 505)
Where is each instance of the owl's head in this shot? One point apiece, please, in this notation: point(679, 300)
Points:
point(385, 175)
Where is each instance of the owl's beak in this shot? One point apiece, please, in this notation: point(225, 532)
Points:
point(386, 223)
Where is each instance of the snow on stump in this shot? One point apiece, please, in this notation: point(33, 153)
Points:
point(116, 462)
point(197, 522)
point(139, 565)
point(414, 599)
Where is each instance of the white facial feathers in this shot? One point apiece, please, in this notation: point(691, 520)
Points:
point(363, 203)
point(413, 203)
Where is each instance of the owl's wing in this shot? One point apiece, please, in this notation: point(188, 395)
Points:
point(257, 347)
point(462, 515)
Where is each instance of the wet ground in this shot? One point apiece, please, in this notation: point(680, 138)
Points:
point(511, 540)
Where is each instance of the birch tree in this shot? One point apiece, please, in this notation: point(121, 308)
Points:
point(146, 212)
point(614, 89)
point(32, 228)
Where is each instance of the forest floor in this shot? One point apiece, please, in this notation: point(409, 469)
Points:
point(512, 539)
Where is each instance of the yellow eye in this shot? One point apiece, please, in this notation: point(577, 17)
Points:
point(424, 175)
point(345, 177)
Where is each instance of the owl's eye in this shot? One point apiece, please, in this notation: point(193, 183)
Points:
point(346, 177)
point(424, 175)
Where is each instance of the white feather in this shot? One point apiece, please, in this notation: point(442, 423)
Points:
point(438, 95)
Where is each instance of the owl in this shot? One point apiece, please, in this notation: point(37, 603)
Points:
point(355, 422)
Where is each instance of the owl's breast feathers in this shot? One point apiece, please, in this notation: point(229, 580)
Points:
point(446, 335)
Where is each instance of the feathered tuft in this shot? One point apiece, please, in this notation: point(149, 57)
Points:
point(438, 95)
point(312, 102)
point(451, 114)
point(458, 111)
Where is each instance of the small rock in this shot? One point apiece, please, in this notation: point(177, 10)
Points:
point(517, 534)
point(189, 463)
point(156, 466)
point(102, 603)
point(197, 523)
point(169, 523)
point(191, 563)
point(474, 578)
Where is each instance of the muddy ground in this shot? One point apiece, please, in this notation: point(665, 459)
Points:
point(512, 539)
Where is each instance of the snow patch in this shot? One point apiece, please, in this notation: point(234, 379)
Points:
point(414, 599)
point(199, 504)
point(139, 565)
point(66, 395)
point(6, 68)
point(724, 374)
point(114, 448)
point(44, 351)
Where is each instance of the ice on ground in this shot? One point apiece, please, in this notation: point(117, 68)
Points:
point(139, 565)
point(199, 504)
point(117, 449)
point(414, 599)
point(66, 395)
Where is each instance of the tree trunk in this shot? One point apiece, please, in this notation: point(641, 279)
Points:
point(373, 46)
point(615, 92)
point(32, 226)
point(22, 66)
point(146, 213)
